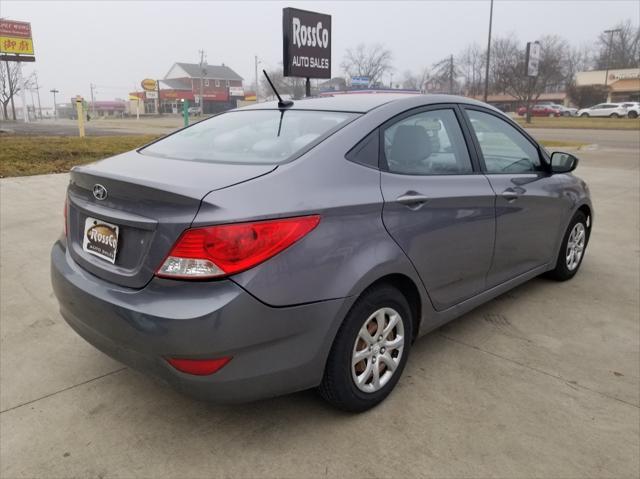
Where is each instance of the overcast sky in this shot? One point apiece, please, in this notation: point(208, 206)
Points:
point(115, 44)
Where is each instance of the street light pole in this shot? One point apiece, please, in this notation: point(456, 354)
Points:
point(55, 106)
point(610, 32)
point(486, 71)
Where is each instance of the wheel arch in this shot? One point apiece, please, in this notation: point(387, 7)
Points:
point(410, 291)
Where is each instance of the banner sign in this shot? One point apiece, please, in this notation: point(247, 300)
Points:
point(15, 37)
point(360, 81)
point(532, 59)
point(306, 43)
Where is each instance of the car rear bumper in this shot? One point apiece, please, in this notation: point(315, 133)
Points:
point(275, 350)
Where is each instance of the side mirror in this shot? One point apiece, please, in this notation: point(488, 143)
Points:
point(563, 162)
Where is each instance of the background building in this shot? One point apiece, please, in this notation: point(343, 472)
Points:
point(221, 88)
point(623, 84)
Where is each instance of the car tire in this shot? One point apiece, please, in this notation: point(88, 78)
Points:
point(566, 113)
point(338, 387)
point(585, 115)
point(614, 115)
point(567, 264)
point(632, 114)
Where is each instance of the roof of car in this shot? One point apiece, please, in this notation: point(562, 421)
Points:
point(363, 102)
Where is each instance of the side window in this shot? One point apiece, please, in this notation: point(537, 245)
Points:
point(427, 143)
point(505, 149)
point(366, 152)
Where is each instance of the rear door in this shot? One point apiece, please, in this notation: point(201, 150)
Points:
point(530, 206)
point(437, 206)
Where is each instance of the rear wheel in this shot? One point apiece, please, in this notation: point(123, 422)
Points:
point(614, 115)
point(573, 247)
point(370, 350)
point(585, 115)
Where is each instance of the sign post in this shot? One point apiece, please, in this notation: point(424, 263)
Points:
point(79, 111)
point(185, 112)
point(306, 45)
point(531, 66)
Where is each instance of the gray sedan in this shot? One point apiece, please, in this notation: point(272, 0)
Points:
point(281, 247)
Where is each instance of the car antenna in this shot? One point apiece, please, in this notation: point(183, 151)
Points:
point(281, 103)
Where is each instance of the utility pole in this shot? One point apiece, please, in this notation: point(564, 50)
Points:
point(35, 75)
point(606, 75)
point(256, 67)
point(93, 101)
point(486, 70)
point(451, 76)
point(55, 106)
point(203, 71)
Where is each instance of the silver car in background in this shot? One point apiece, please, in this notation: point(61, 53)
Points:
point(283, 247)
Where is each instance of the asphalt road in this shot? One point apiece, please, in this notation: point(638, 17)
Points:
point(544, 381)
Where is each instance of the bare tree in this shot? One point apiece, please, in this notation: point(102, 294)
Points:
point(416, 81)
point(579, 59)
point(9, 86)
point(292, 86)
point(471, 63)
point(620, 50)
point(445, 73)
point(508, 69)
point(371, 61)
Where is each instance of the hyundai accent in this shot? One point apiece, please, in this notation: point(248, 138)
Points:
point(288, 246)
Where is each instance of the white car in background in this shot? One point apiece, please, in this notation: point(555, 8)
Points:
point(633, 109)
point(612, 110)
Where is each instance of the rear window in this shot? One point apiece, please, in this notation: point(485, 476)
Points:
point(250, 136)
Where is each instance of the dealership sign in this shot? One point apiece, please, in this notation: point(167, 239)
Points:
point(306, 46)
point(15, 37)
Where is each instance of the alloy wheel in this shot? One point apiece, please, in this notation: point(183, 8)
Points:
point(377, 350)
point(575, 246)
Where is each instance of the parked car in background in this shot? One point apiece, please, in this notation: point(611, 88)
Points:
point(540, 110)
point(194, 110)
point(564, 110)
point(612, 110)
point(287, 246)
point(633, 109)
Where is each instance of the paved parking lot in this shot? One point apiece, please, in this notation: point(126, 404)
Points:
point(544, 381)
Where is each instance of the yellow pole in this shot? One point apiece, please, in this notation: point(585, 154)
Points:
point(80, 114)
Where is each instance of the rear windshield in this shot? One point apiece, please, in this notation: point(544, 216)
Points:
point(250, 136)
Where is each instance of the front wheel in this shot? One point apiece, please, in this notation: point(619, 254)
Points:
point(585, 115)
point(574, 245)
point(369, 351)
point(632, 114)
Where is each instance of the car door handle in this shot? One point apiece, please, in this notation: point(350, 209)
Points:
point(412, 199)
point(510, 194)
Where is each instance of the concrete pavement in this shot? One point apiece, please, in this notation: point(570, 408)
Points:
point(543, 381)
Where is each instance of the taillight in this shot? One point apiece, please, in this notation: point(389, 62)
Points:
point(222, 250)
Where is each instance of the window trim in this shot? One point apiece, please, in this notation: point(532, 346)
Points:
point(382, 159)
point(542, 154)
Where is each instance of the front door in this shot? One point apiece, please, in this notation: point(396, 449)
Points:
point(529, 205)
point(437, 206)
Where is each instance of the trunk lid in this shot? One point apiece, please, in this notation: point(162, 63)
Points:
point(152, 200)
